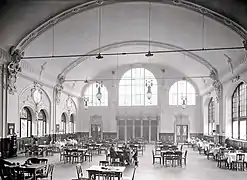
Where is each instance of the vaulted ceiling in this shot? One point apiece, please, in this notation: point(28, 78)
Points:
point(124, 29)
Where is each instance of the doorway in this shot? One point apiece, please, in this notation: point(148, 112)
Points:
point(181, 133)
point(96, 131)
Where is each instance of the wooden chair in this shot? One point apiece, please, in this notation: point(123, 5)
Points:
point(184, 158)
point(104, 163)
point(88, 155)
point(220, 158)
point(79, 172)
point(156, 156)
point(239, 163)
point(48, 172)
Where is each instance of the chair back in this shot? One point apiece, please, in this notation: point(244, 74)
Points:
point(79, 171)
point(181, 148)
point(32, 161)
point(240, 157)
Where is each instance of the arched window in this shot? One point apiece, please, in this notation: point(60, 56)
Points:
point(63, 123)
point(133, 88)
point(26, 123)
point(180, 90)
point(91, 93)
point(239, 117)
point(41, 123)
point(72, 123)
point(211, 116)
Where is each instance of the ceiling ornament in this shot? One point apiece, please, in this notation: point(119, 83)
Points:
point(36, 95)
point(59, 88)
point(37, 31)
point(13, 69)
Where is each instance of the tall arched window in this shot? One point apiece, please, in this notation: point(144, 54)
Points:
point(63, 123)
point(42, 123)
point(133, 88)
point(211, 116)
point(180, 90)
point(91, 93)
point(239, 116)
point(72, 123)
point(26, 123)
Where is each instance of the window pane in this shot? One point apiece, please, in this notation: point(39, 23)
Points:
point(179, 90)
point(133, 89)
point(235, 129)
point(243, 129)
point(23, 128)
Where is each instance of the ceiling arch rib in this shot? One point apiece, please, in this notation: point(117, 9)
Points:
point(197, 58)
point(37, 31)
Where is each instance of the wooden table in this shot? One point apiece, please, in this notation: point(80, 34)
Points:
point(105, 170)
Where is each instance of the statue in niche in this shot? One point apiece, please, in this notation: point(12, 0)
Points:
point(13, 69)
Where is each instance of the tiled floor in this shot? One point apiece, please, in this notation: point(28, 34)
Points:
point(198, 168)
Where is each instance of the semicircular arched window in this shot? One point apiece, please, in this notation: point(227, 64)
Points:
point(41, 123)
point(91, 93)
point(26, 122)
point(134, 87)
point(182, 90)
point(63, 123)
point(72, 123)
point(239, 112)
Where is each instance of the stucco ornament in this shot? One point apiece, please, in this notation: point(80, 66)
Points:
point(59, 88)
point(13, 68)
point(216, 84)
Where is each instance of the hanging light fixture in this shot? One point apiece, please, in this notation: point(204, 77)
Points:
point(149, 54)
point(85, 100)
point(99, 56)
point(149, 84)
point(99, 85)
point(184, 101)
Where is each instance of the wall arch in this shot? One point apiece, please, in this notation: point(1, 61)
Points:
point(25, 99)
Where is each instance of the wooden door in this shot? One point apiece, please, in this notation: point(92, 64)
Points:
point(96, 131)
point(182, 133)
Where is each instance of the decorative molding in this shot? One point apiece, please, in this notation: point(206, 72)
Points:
point(37, 31)
point(13, 69)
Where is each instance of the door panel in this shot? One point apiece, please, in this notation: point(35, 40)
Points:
point(181, 133)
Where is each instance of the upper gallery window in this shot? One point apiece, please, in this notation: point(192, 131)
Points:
point(182, 90)
point(137, 87)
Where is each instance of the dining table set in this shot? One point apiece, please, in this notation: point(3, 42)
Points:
point(32, 169)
